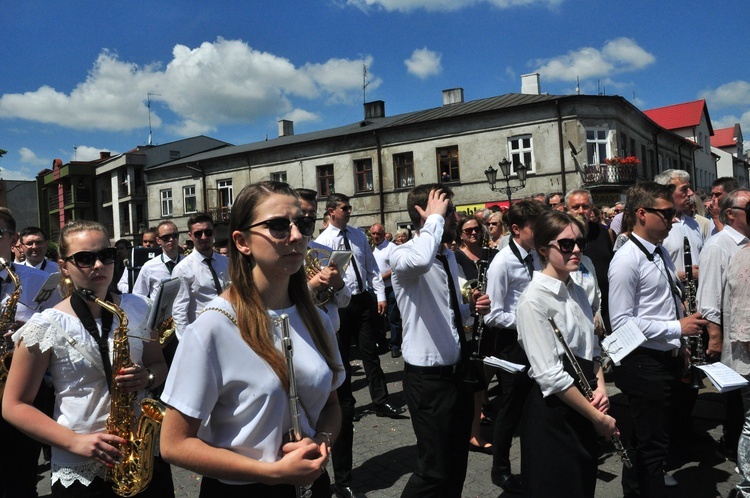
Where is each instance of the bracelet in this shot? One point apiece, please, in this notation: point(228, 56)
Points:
point(327, 436)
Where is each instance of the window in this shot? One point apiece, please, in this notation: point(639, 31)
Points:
point(403, 164)
point(597, 146)
point(278, 176)
point(447, 159)
point(174, 154)
point(189, 199)
point(226, 196)
point(166, 202)
point(325, 180)
point(519, 149)
point(624, 146)
point(363, 175)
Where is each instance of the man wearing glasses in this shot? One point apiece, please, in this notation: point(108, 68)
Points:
point(159, 268)
point(203, 273)
point(34, 246)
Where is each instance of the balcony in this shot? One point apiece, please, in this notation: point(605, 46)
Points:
point(220, 215)
point(70, 197)
point(609, 174)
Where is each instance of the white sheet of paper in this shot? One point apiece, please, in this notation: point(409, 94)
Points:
point(722, 377)
point(504, 364)
point(50, 286)
point(623, 341)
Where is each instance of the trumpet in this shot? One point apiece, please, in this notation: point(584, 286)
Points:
point(315, 260)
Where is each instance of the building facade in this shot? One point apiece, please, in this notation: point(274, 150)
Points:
point(728, 147)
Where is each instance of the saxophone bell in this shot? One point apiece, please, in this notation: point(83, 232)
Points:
point(7, 319)
point(315, 260)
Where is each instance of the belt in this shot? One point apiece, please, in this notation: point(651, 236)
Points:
point(443, 370)
point(656, 353)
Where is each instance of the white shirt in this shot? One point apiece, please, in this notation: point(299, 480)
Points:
point(616, 224)
point(639, 291)
point(420, 283)
point(340, 298)
point(735, 349)
point(151, 275)
point(545, 298)
point(216, 377)
point(82, 401)
point(675, 241)
point(585, 277)
point(46, 265)
point(507, 278)
point(196, 287)
point(714, 261)
point(361, 253)
point(382, 255)
point(32, 281)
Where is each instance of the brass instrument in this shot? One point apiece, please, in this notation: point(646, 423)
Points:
point(135, 469)
point(467, 289)
point(7, 319)
point(586, 388)
point(166, 331)
point(315, 260)
point(697, 352)
point(295, 433)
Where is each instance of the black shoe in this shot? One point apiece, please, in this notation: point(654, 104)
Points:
point(356, 417)
point(387, 410)
point(395, 353)
point(342, 491)
point(725, 450)
point(508, 482)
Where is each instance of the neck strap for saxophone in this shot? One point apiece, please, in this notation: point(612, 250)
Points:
point(83, 312)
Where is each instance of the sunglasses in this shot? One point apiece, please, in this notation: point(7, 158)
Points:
point(173, 236)
point(469, 230)
point(746, 209)
point(493, 224)
point(566, 246)
point(198, 234)
point(87, 259)
point(280, 228)
point(668, 214)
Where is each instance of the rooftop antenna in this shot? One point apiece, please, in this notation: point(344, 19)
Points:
point(578, 85)
point(75, 153)
point(364, 83)
point(149, 114)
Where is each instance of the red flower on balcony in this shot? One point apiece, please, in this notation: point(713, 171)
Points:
point(628, 160)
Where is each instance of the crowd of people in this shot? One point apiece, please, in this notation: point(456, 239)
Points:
point(256, 381)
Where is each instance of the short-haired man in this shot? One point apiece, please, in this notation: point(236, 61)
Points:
point(643, 292)
point(127, 280)
point(34, 245)
point(382, 253)
point(441, 403)
point(719, 189)
point(203, 273)
point(556, 201)
point(508, 276)
point(159, 268)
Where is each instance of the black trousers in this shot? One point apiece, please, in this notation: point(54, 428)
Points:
point(441, 406)
point(213, 488)
point(649, 379)
point(515, 390)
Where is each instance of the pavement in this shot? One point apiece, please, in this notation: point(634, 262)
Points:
point(385, 451)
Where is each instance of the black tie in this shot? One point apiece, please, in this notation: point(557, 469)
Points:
point(217, 284)
point(171, 264)
point(672, 286)
point(529, 264)
point(454, 303)
point(354, 260)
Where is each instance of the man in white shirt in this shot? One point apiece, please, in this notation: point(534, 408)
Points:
point(719, 189)
point(132, 270)
point(160, 267)
point(507, 277)
point(643, 292)
point(203, 274)
point(382, 253)
point(34, 245)
point(425, 280)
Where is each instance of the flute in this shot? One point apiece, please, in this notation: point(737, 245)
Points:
point(295, 433)
point(587, 391)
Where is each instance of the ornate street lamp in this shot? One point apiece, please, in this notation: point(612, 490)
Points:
point(491, 174)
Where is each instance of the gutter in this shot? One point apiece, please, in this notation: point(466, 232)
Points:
point(560, 145)
point(381, 195)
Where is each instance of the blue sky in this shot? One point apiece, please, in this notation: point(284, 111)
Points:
point(75, 75)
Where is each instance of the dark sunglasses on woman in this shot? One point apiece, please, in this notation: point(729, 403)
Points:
point(280, 228)
point(87, 259)
point(566, 246)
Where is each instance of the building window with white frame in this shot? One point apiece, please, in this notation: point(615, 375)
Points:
point(166, 202)
point(226, 194)
point(403, 166)
point(520, 150)
point(363, 175)
point(190, 200)
point(278, 176)
point(597, 145)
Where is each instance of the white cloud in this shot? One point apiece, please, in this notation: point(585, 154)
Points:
point(443, 5)
point(301, 116)
point(29, 157)
point(735, 93)
point(616, 56)
point(223, 82)
point(22, 174)
point(424, 63)
point(88, 153)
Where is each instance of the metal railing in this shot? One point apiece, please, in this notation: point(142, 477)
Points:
point(610, 174)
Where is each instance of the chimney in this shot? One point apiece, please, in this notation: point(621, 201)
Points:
point(530, 84)
point(57, 163)
point(286, 128)
point(104, 154)
point(375, 109)
point(453, 96)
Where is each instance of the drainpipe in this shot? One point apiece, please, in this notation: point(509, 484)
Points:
point(561, 147)
point(380, 179)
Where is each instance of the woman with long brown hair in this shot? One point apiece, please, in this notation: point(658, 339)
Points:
point(230, 370)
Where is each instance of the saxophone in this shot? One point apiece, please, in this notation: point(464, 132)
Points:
point(7, 318)
point(136, 467)
point(697, 352)
point(315, 260)
point(588, 393)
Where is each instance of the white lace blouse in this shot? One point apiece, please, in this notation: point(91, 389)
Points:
point(81, 396)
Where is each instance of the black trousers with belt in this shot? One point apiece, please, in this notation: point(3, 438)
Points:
point(649, 378)
point(441, 406)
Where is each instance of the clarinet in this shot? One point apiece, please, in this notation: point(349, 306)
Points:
point(697, 352)
point(295, 433)
point(587, 391)
point(482, 264)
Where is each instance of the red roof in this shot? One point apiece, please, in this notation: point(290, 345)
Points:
point(685, 115)
point(725, 137)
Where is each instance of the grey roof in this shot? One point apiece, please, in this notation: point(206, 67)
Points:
point(506, 101)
